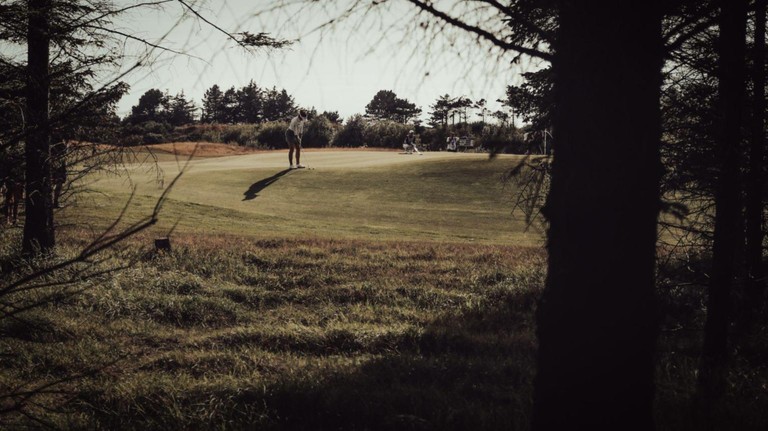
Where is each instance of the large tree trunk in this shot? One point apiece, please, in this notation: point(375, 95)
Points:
point(755, 286)
point(38, 225)
point(597, 320)
point(731, 74)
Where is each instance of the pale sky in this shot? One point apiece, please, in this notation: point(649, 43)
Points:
point(337, 69)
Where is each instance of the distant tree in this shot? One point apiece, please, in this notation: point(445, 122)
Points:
point(181, 110)
point(278, 105)
point(460, 107)
point(502, 116)
point(213, 106)
point(533, 100)
point(332, 116)
point(249, 101)
point(441, 110)
point(481, 106)
point(230, 108)
point(385, 105)
point(406, 111)
point(153, 106)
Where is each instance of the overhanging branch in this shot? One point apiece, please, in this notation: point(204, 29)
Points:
point(507, 46)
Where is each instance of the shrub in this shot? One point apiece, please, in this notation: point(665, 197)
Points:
point(155, 127)
point(241, 134)
point(212, 133)
point(351, 134)
point(153, 138)
point(388, 134)
point(502, 138)
point(272, 135)
point(188, 133)
point(434, 139)
point(318, 132)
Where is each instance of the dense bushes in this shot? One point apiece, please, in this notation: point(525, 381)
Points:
point(486, 137)
point(503, 139)
point(387, 134)
point(272, 135)
point(358, 132)
point(241, 134)
point(434, 139)
point(351, 134)
point(319, 132)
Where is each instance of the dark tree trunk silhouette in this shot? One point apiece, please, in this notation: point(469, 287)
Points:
point(755, 285)
point(597, 319)
point(38, 223)
point(728, 232)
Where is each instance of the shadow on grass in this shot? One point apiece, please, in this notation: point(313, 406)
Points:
point(471, 369)
point(260, 185)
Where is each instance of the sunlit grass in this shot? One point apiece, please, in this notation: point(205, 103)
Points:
point(354, 195)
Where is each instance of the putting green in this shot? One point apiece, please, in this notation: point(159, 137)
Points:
point(350, 194)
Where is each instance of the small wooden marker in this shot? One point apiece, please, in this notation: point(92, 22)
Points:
point(163, 244)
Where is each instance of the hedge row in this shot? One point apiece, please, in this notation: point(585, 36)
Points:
point(319, 132)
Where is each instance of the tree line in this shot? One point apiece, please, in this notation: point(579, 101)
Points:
point(252, 104)
point(161, 117)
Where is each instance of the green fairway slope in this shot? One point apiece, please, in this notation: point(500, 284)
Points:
point(345, 194)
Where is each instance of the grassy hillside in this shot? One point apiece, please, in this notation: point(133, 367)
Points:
point(348, 194)
point(378, 291)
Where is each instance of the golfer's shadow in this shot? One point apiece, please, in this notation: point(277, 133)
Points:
point(260, 185)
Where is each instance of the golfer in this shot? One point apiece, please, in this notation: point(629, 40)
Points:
point(293, 138)
point(59, 170)
point(410, 143)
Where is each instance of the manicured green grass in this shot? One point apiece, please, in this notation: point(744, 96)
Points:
point(349, 194)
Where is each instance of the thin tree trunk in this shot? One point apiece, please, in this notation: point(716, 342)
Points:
point(755, 286)
point(597, 320)
point(38, 224)
point(727, 236)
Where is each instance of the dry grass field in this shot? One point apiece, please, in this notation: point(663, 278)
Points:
point(377, 291)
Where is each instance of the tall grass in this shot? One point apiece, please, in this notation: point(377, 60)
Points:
point(283, 334)
point(228, 333)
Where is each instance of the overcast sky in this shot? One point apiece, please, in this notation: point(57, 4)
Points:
point(337, 68)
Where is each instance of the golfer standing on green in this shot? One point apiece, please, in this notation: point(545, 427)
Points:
point(293, 138)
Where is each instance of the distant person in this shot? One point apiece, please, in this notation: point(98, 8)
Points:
point(409, 145)
point(12, 177)
point(453, 143)
point(58, 171)
point(293, 138)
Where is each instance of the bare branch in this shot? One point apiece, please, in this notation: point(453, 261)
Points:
point(144, 41)
point(247, 40)
point(427, 7)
